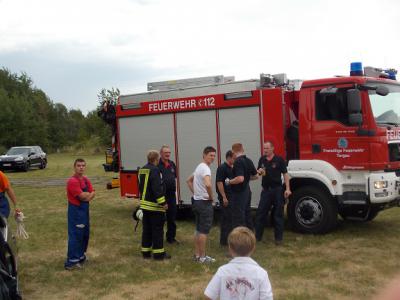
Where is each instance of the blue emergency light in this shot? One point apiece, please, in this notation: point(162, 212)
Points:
point(356, 69)
point(391, 73)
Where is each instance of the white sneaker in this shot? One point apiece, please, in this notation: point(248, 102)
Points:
point(206, 259)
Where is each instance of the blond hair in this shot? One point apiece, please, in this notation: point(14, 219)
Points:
point(242, 241)
point(152, 156)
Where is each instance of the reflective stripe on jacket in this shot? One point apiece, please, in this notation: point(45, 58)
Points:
point(151, 188)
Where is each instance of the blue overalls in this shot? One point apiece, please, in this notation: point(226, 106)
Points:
point(4, 205)
point(78, 232)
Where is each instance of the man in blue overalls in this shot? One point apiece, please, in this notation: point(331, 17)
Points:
point(5, 187)
point(79, 192)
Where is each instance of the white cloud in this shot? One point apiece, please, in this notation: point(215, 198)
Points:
point(179, 38)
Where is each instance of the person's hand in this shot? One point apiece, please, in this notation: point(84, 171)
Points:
point(225, 201)
point(261, 172)
point(287, 193)
point(165, 206)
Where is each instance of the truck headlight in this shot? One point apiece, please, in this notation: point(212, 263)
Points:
point(380, 185)
point(19, 158)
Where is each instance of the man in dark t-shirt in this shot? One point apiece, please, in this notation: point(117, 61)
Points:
point(224, 192)
point(168, 171)
point(272, 167)
point(243, 171)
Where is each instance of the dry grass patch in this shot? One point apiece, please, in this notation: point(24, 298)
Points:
point(353, 262)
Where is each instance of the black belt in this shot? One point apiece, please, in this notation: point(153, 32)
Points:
point(272, 187)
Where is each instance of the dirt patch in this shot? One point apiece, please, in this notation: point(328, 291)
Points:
point(52, 182)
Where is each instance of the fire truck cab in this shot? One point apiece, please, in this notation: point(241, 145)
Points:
point(340, 137)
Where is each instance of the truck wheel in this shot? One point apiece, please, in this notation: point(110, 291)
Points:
point(372, 214)
point(184, 213)
point(312, 210)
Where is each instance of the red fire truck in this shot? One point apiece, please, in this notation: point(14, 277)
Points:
point(340, 137)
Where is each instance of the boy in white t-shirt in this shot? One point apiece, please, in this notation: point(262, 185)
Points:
point(200, 185)
point(242, 278)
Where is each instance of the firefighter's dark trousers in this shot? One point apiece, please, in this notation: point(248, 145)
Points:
point(153, 233)
point(171, 217)
point(226, 222)
point(241, 211)
point(271, 198)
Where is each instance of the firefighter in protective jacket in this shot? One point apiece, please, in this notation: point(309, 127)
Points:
point(154, 205)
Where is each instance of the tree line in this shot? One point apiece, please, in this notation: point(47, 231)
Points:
point(29, 117)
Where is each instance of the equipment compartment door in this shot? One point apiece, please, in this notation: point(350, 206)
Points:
point(242, 125)
point(140, 134)
point(195, 131)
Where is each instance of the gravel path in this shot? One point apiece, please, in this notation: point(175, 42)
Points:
point(43, 182)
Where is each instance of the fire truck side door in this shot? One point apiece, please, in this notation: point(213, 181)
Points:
point(140, 134)
point(333, 138)
point(195, 131)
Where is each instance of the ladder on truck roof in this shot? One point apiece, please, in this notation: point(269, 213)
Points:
point(189, 82)
point(192, 87)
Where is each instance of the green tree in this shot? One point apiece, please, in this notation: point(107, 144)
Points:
point(29, 117)
point(110, 96)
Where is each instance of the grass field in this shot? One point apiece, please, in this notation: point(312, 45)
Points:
point(353, 262)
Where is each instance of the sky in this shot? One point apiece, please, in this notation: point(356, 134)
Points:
point(72, 49)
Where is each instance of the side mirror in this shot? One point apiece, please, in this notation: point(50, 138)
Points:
point(353, 101)
point(32, 153)
point(355, 119)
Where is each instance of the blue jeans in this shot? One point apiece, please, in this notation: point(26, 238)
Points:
point(272, 197)
point(78, 233)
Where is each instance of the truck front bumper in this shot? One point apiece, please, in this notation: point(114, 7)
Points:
point(383, 188)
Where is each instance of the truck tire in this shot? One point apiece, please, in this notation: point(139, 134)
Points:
point(312, 210)
point(184, 213)
point(372, 214)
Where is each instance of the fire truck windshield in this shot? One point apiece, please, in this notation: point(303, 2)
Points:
point(386, 109)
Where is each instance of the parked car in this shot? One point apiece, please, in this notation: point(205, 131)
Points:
point(23, 158)
point(9, 288)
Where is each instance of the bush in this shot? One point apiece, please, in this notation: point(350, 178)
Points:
point(3, 149)
point(90, 146)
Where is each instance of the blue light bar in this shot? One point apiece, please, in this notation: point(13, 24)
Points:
point(356, 69)
point(391, 73)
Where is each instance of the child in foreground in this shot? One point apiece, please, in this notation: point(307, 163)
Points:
point(242, 277)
